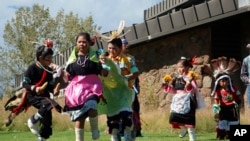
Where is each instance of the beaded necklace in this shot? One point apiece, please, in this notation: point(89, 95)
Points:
point(80, 62)
point(41, 66)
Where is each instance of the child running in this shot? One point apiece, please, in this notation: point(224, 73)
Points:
point(39, 83)
point(184, 103)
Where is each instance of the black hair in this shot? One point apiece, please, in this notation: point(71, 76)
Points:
point(87, 36)
point(222, 74)
point(186, 62)
point(117, 42)
point(43, 51)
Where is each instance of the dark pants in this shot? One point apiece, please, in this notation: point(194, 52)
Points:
point(44, 106)
point(136, 116)
point(120, 121)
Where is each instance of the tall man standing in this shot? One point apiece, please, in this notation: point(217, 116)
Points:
point(245, 73)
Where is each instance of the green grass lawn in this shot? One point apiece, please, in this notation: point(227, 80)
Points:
point(69, 136)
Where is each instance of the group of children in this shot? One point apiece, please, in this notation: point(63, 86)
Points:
point(93, 77)
point(108, 77)
point(186, 99)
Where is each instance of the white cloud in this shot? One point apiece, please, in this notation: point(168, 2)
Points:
point(106, 13)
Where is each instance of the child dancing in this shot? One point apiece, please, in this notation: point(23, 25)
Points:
point(184, 103)
point(227, 98)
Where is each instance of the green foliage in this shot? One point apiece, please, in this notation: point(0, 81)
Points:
point(33, 25)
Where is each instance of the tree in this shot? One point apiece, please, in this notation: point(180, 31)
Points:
point(35, 25)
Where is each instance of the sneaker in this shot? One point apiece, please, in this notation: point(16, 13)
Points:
point(95, 134)
point(183, 133)
point(34, 128)
point(41, 139)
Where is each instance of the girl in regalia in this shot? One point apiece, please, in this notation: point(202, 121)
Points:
point(184, 103)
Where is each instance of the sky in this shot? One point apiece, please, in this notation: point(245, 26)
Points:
point(106, 13)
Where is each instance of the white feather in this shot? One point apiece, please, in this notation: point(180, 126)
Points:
point(120, 27)
point(117, 34)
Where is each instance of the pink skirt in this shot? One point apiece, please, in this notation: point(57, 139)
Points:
point(80, 88)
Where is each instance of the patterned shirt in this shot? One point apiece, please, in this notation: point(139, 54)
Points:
point(131, 60)
point(123, 63)
point(227, 97)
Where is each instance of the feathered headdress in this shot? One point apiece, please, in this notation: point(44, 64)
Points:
point(114, 34)
point(222, 68)
point(222, 65)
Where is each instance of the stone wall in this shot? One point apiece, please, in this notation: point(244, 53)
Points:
point(157, 58)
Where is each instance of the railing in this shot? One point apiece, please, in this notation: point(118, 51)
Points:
point(181, 19)
point(167, 6)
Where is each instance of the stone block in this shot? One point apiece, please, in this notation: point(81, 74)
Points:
point(166, 23)
point(178, 19)
point(207, 82)
point(214, 7)
point(153, 26)
point(189, 15)
point(130, 33)
point(205, 92)
point(228, 5)
point(205, 59)
point(202, 11)
point(199, 83)
point(141, 30)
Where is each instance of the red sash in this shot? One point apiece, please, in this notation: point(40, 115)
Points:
point(24, 105)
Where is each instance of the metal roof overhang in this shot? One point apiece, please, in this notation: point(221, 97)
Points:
point(162, 34)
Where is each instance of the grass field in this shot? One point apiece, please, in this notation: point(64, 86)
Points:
point(69, 136)
point(155, 126)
